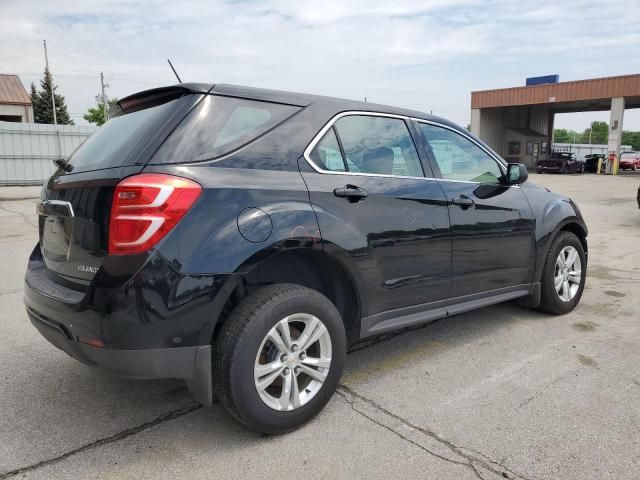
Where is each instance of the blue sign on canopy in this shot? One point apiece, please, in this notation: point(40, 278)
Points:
point(542, 80)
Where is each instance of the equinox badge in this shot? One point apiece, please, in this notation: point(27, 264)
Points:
point(86, 268)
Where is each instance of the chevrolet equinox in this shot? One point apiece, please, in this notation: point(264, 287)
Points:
point(242, 239)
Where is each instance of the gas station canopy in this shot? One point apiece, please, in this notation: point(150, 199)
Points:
point(498, 115)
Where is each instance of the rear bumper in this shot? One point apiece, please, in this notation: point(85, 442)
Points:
point(192, 364)
point(158, 323)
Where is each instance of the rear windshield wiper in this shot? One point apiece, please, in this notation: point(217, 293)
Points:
point(62, 163)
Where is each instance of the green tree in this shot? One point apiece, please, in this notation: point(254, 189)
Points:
point(599, 133)
point(34, 93)
point(42, 104)
point(96, 114)
point(631, 138)
point(562, 135)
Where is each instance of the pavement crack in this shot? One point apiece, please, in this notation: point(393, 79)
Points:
point(11, 292)
point(27, 218)
point(18, 199)
point(350, 401)
point(439, 447)
point(104, 441)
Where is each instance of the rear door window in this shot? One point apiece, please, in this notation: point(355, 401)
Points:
point(369, 144)
point(220, 125)
point(327, 154)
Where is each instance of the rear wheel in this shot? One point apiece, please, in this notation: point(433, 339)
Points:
point(564, 274)
point(279, 357)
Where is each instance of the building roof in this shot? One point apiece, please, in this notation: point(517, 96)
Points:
point(595, 93)
point(12, 91)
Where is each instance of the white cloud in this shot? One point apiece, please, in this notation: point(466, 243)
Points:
point(426, 55)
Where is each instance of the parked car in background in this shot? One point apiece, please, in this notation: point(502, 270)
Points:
point(241, 239)
point(591, 161)
point(561, 162)
point(630, 161)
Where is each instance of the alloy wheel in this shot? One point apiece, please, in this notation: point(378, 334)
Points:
point(292, 362)
point(568, 273)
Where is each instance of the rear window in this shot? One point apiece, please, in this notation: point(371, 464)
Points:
point(119, 141)
point(219, 125)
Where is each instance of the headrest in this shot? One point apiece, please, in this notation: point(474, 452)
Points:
point(378, 160)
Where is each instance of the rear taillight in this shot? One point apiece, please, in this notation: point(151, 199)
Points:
point(145, 208)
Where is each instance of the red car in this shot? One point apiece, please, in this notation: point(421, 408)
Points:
point(630, 161)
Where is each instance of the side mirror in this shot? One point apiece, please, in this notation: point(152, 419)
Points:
point(516, 174)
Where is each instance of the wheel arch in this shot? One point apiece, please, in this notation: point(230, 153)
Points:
point(571, 224)
point(309, 267)
point(577, 229)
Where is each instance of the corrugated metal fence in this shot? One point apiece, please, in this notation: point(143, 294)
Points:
point(582, 149)
point(27, 150)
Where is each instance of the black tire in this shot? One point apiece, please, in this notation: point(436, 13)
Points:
point(550, 301)
point(563, 169)
point(237, 344)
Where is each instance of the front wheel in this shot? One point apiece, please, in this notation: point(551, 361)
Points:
point(564, 274)
point(278, 358)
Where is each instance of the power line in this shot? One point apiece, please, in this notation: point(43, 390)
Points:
point(68, 73)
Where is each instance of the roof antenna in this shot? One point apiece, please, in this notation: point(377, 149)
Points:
point(174, 71)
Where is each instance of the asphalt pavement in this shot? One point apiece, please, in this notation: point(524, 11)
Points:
point(502, 392)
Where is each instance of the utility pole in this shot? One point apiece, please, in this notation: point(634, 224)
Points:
point(53, 97)
point(103, 97)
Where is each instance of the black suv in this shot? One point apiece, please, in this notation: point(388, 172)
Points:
point(241, 239)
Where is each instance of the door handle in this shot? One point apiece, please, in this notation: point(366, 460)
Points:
point(464, 201)
point(351, 192)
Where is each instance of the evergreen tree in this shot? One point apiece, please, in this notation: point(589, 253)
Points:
point(34, 94)
point(42, 105)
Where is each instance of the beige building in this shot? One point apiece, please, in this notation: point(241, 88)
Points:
point(15, 104)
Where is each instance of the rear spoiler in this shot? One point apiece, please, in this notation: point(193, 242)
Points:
point(156, 96)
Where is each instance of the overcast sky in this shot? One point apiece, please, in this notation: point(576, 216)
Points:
point(427, 55)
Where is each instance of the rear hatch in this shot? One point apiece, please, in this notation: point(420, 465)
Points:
point(75, 207)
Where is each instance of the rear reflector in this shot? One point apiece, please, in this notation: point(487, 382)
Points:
point(91, 341)
point(145, 208)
